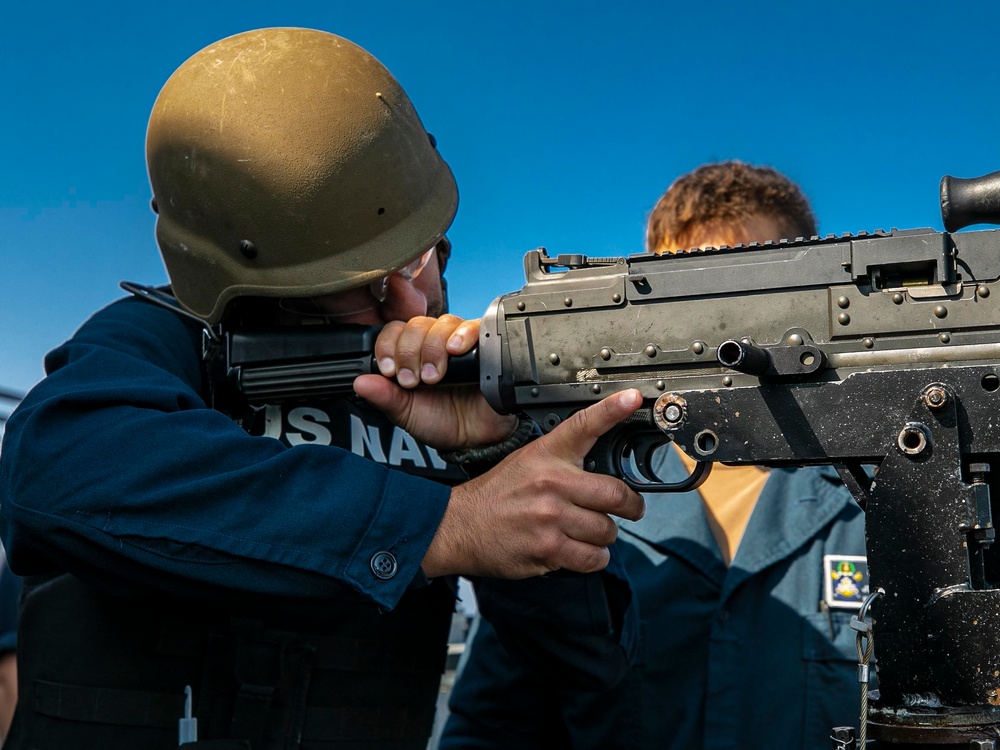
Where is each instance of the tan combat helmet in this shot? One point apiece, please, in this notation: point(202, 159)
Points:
point(288, 162)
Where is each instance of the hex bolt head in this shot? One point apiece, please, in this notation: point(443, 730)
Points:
point(669, 411)
point(935, 398)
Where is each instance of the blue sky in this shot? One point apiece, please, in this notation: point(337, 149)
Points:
point(563, 122)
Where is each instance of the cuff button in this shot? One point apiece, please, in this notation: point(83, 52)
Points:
point(384, 565)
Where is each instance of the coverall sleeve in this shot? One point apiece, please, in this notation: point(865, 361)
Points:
point(580, 632)
point(498, 703)
point(115, 468)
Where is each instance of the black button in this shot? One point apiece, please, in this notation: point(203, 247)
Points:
point(384, 565)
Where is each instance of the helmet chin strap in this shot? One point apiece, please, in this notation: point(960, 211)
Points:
point(444, 294)
point(443, 254)
point(160, 295)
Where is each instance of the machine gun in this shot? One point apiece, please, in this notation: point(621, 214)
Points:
point(876, 349)
point(871, 350)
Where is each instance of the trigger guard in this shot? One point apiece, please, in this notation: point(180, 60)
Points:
point(694, 480)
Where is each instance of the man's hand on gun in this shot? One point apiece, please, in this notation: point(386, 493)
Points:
point(537, 510)
point(416, 353)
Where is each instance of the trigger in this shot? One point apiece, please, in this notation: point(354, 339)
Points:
point(643, 449)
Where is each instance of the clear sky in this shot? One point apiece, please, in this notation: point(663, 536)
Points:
point(563, 122)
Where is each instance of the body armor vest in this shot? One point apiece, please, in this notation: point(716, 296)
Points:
point(97, 671)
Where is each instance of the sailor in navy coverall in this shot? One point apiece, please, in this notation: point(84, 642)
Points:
point(288, 586)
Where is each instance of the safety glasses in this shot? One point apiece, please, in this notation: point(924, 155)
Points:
point(380, 287)
point(354, 301)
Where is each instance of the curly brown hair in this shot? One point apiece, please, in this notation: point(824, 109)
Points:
point(722, 198)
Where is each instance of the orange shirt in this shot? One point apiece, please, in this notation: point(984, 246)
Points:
point(728, 498)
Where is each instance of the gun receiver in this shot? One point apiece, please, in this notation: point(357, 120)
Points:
point(774, 351)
